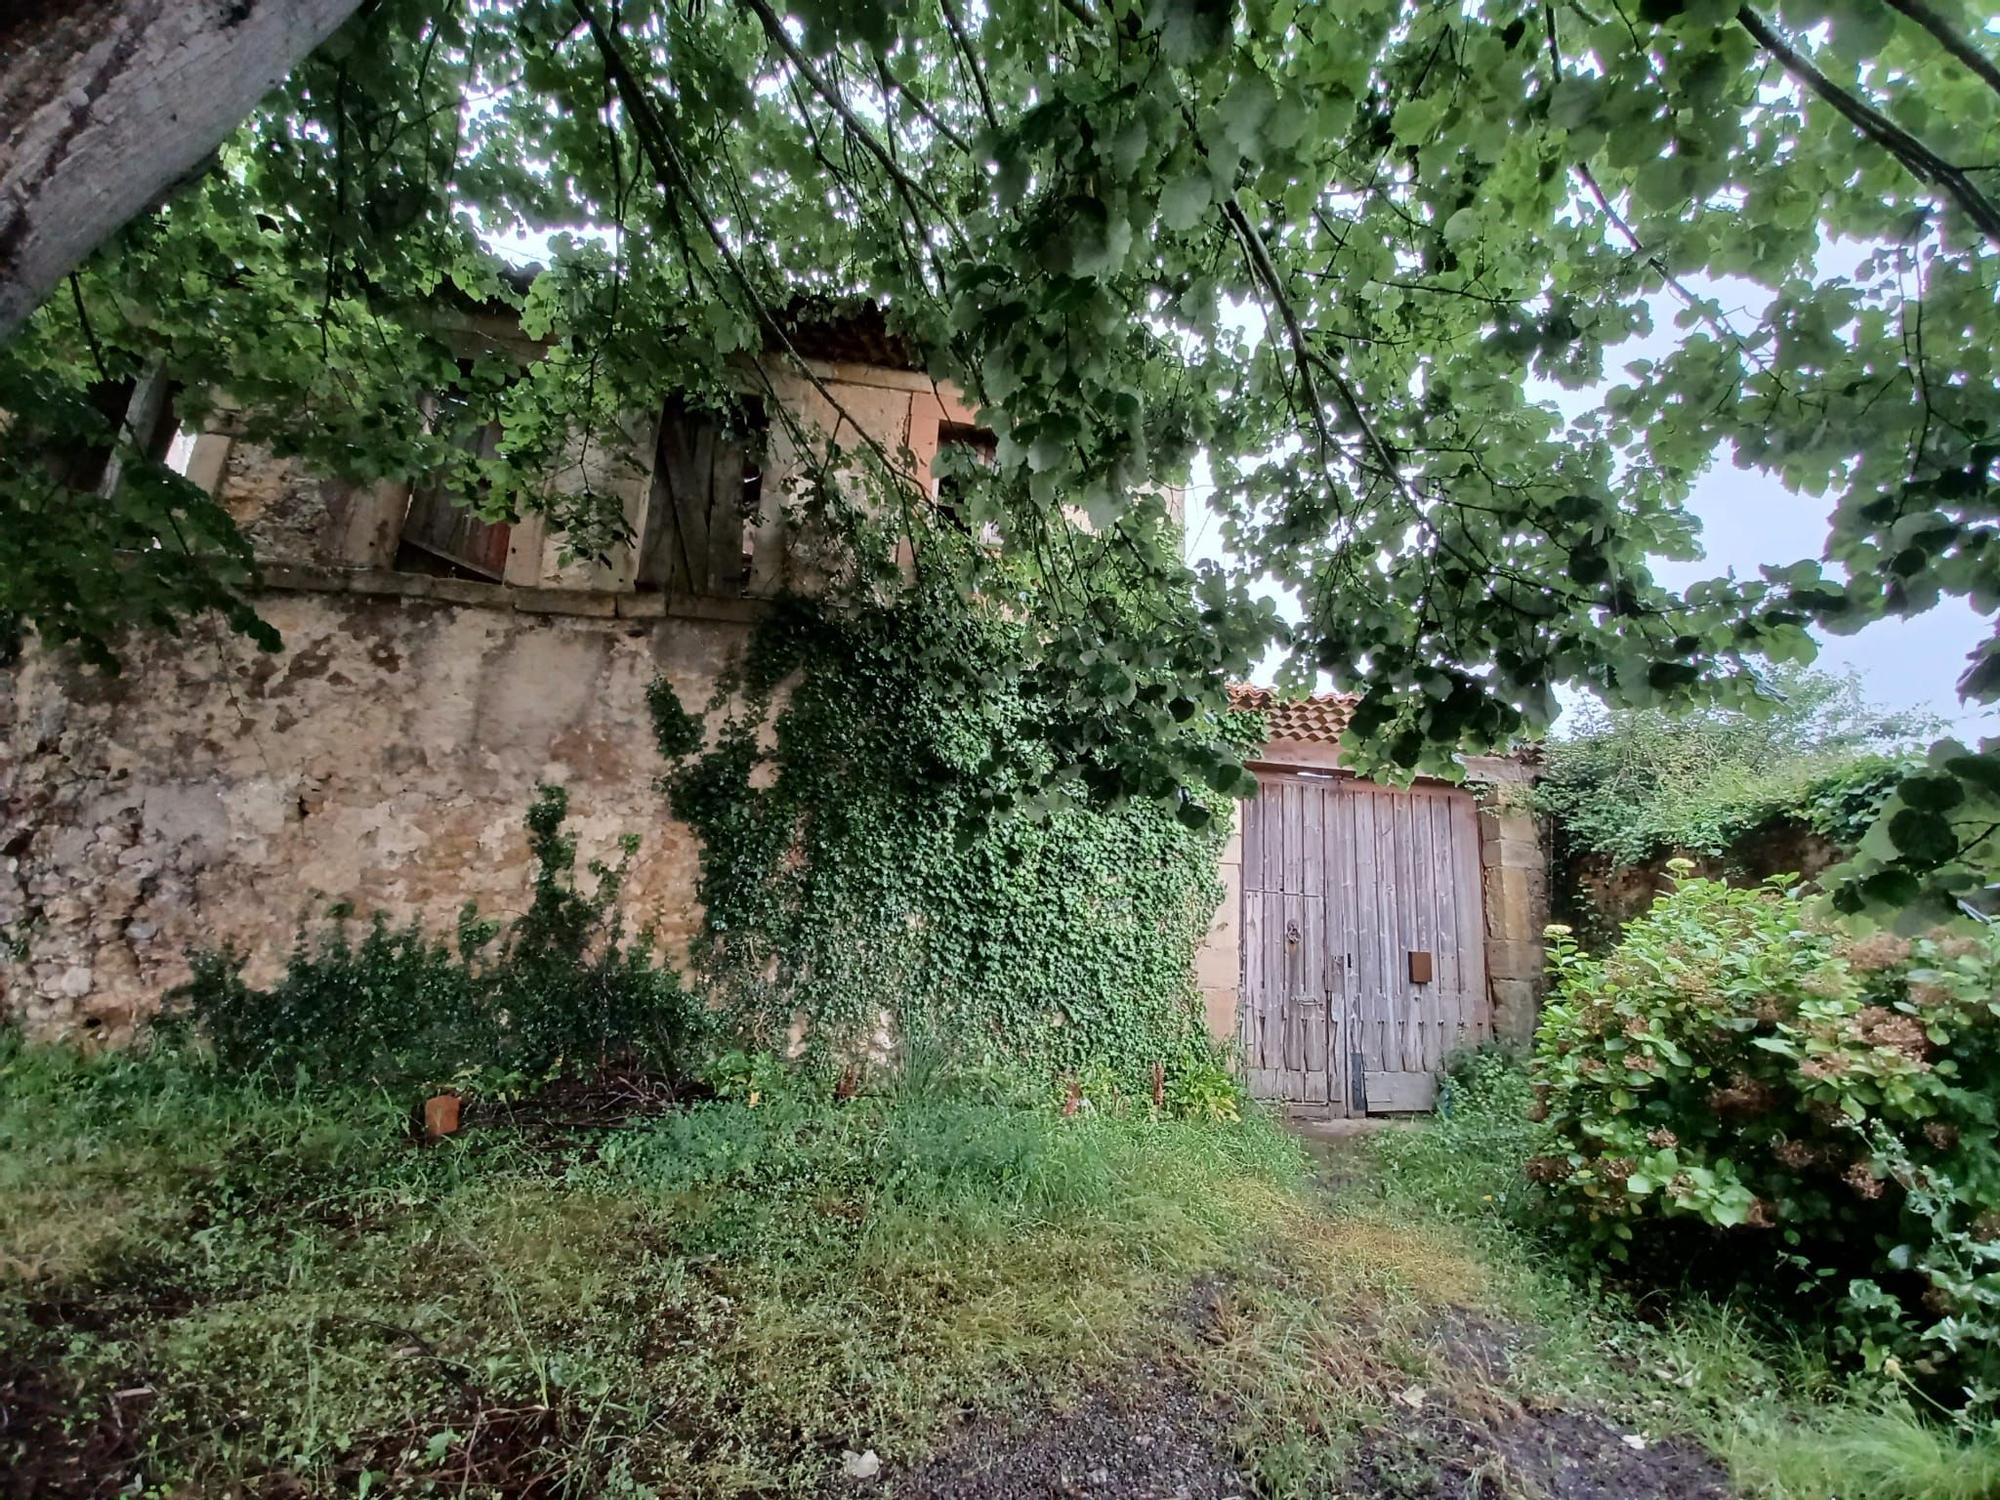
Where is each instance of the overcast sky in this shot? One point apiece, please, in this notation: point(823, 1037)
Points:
point(1748, 520)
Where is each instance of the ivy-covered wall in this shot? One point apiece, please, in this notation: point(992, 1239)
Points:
point(862, 894)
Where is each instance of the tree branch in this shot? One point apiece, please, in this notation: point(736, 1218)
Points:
point(1267, 272)
point(957, 29)
point(1958, 46)
point(1918, 159)
point(774, 28)
point(673, 178)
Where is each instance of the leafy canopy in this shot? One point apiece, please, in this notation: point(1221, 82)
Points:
point(1429, 215)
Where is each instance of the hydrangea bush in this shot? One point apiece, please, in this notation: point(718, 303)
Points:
point(1823, 1102)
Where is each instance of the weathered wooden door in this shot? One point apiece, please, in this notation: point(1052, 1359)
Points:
point(1363, 941)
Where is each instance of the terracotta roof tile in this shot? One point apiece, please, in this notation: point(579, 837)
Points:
point(1320, 718)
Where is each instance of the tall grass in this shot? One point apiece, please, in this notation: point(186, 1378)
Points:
point(714, 1301)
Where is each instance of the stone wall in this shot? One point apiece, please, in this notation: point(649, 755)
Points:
point(1597, 896)
point(1513, 853)
point(214, 794)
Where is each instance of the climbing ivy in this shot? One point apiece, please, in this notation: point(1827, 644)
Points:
point(869, 868)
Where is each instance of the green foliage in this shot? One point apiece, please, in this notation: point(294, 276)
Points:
point(1927, 856)
point(889, 864)
point(1828, 1101)
point(1843, 805)
point(1632, 783)
point(1438, 212)
point(563, 990)
point(748, 1077)
point(1204, 1089)
point(1468, 1167)
point(1664, 1353)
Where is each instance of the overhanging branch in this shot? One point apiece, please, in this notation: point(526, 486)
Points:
point(1918, 159)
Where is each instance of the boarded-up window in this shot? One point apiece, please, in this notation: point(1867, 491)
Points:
point(707, 491)
point(442, 531)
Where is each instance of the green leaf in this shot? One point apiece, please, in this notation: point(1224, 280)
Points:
point(1415, 119)
point(1186, 199)
point(1922, 836)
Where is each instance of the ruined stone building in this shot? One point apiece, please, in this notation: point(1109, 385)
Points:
point(437, 667)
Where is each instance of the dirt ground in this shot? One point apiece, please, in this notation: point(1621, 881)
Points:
point(1156, 1438)
point(1156, 1442)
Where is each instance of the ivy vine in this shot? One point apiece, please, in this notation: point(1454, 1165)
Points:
point(869, 877)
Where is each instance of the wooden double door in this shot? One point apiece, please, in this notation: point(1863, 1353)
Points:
point(1364, 959)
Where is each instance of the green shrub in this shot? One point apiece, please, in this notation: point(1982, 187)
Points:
point(561, 988)
point(1827, 1103)
point(1633, 783)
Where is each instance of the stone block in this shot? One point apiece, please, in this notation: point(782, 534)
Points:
point(1515, 958)
point(648, 606)
point(1516, 1009)
point(1516, 905)
point(472, 591)
point(587, 602)
point(305, 578)
point(389, 581)
point(1513, 851)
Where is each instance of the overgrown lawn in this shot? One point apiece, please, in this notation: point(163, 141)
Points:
point(217, 1286)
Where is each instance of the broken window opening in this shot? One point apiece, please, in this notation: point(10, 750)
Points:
point(700, 528)
point(948, 490)
point(443, 532)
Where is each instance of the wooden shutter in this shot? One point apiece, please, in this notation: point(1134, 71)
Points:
point(440, 527)
point(707, 490)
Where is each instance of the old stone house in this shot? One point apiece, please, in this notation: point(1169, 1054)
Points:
point(436, 668)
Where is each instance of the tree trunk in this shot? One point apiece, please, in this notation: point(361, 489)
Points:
point(105, 105)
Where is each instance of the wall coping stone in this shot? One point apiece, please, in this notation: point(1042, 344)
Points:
point(598, 604)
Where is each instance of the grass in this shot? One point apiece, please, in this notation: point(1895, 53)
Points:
point(215, 1286)
point(718, 1301)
